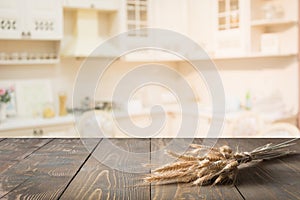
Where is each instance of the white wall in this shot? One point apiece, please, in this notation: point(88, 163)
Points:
point(260, 76)
point(63, 76)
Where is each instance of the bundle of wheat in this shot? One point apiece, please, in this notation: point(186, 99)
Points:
point(218, 165)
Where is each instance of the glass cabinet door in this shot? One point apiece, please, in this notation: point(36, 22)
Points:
point(228, 14)
point(137, 16)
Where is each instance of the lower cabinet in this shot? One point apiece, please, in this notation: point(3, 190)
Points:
point(141, 126)
point(161, 125)
point(56, 131)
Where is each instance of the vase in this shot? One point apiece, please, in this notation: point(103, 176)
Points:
point(2, 112)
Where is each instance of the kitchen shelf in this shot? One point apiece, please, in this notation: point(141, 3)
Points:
point(25, 52)
point(147, 58)
point(100, 6)
point(273, 22)
point(104, 10)
point(255, 55)
point(87, 56)
point(29, 62)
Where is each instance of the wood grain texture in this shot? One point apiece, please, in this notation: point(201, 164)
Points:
point(185, 191)
point(100, 181)
point(46, 172)
point(65, 169)
point(272, 179)
point(13, 151)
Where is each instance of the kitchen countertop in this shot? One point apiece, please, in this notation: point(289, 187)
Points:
point(64, 169)
point(204, 112)
point(21, 123)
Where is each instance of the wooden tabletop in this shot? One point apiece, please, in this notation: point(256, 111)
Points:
point(67, 169)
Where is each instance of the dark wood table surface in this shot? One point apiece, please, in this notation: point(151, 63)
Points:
point(65, 169)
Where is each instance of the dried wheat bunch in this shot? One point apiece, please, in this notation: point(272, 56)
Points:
point(208, 165)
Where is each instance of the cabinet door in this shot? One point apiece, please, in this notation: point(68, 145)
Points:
point(44, 19)
point(77, 4)
point(201, 23)
point(169, 14)
point(17, 133)
point(61, 131)
point(11, 19)
point(105, 5)
point(232, 28)
point(109, 5)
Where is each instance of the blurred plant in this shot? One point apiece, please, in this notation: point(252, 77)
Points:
point(5, 95)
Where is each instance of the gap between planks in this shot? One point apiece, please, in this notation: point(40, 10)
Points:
point(2, 139)
point(38, 148)
point(83, 163)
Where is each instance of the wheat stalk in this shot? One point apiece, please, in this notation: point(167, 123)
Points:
point(216, 166)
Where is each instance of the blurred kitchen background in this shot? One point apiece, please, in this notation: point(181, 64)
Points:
point(253, 43)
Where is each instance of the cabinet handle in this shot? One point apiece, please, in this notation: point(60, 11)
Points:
point(23, 33)
point(92, 5)
point(28, 34)
point(14, 25)
point(41, 132)
point(35, 133)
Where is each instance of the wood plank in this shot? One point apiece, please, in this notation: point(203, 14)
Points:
point(100, 181)
point(45, 173)
point(13, 151)
point(273, 179)
point(185, 191)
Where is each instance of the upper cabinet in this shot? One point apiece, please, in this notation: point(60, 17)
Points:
point(201, 24)
point(11, 19)
point(255, 28)
point(232, 27)
point(157, 14)
point(31, 19)
point(169, 14)
point(137, 16)
point(44, 19)
point(154, 14)
point(274, 27)
point(104, 5)
point(30, 31)
point(228, 14)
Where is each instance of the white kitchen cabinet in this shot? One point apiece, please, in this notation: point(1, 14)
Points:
point(201, 23)
point(137, 16)
point(39, 127)
point(170, 129)
point(11, 19)
point(141, 121)
point(255, 28)
point(154, 14)
point(44, 19)
point(273, 24)
point(56, 131)
point(104, 5)
point(169, 14)
point(31, 19)
point(232, 29)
